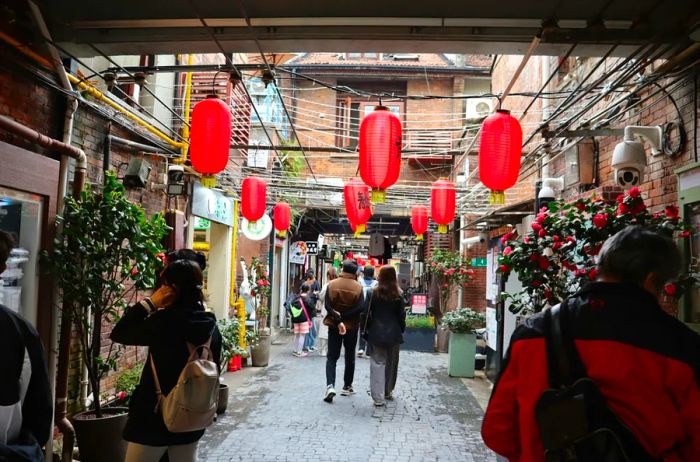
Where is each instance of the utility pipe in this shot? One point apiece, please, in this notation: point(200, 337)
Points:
point(186, 114)
point(519, 70)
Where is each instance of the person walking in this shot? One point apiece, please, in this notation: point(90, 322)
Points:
point(344, 303)
point(302, 309)
point(322, 327)
point(314, 289)
point(167, 322)
point(26, 404)
point(368, 283)
point(644, 362)
point(386, 322)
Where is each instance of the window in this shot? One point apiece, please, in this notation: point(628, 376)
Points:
point(349, 116)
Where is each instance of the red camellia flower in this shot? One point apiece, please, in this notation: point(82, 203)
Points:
point(580, 205)
point(533, 258)
point(571, 239)
point(670, 289)
point(536, 283)
point(634, 192)
point(121, 396)
point(536, 226)
point(507, 251)
point(507, 237)
point(593, 274)
point(504, 269)
point(685, 234)
point(470, 272)
point(134, 271)
point(547, 294)
point(542, 233)
point(556, 238)
point(543, 263)
point(541, 217)
point(671, 212)
point(620, 198)
point(600, 220)
point(526, 240)
point(557, 245)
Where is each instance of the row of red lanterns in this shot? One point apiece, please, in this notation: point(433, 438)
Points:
point(380, 163)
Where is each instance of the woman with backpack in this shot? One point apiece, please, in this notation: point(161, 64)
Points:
point(322, 328)
point(170, 322)
point(386, 321)
point(303, 309)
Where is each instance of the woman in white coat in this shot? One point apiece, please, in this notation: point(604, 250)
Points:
point(323, 329)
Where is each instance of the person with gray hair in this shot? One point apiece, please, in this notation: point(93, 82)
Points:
point(644, 362)
point(26, 404)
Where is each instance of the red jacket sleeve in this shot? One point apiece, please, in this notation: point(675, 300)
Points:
point(500, 427)
point(683, 385)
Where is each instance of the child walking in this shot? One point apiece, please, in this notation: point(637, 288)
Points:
point(303, 309)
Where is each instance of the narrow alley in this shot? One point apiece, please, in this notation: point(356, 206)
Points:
point(277, 414)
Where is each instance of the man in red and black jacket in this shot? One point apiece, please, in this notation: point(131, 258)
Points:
point(645, 362)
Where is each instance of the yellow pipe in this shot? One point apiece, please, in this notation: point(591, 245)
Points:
point(185, 126)
point(94, 92)
point(234, 261)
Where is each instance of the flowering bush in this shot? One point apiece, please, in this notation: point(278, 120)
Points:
point(463, 320)
point(452, 270)
point(259, 279)
point(558, 256)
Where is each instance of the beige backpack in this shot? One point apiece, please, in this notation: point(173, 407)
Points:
point(191, 404)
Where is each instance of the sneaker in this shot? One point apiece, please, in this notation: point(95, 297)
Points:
point(296, 353)
point(330, 394)
point(311, 349)
point(303, 354)
point(389, 396)
point(347, 391)
point(379, 404)
point(360, 352)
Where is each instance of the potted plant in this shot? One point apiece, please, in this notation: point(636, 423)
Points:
point(230, 329)
point(259, 347)
point(419, 334)
point(107, 251)
point(558, 254)
point(451, 271)
point(461, 323)
point(260, 290)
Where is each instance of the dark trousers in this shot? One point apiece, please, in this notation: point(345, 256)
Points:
point(335, 342)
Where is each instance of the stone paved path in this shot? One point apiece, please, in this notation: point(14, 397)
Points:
point(278, 414)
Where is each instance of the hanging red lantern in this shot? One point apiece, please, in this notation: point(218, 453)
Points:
point(210, 138)
point(380, 151)
point(419, 221)
point(282, 215)
point(500, 150)
point(253, 198)
point(443, 200)
point(357, 204)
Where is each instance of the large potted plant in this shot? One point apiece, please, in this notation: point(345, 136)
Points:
point(450, 271)
point(230, 329)
point(461, 323)
point(419, 334)
point(107, 251)
point(259, 342)
point(558, 254)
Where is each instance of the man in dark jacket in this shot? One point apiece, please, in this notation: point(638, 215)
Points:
point(344, 303)
point(645, 362)
point(26, 406)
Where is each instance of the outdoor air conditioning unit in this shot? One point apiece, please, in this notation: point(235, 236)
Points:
point(478, 108)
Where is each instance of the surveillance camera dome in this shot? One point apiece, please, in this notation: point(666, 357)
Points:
point(629, 161)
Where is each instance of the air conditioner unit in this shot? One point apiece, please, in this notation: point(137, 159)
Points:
point(478, 108)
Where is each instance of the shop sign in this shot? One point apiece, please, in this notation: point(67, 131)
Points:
point(212, 205)
point(201, 223)
point(491, 329)
point(312, 247)
point(297, 252)
point(479, 262)
point(419, 303)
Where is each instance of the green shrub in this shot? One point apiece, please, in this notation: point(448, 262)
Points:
point(419, 322)
point(463, 320)
point(127, 382)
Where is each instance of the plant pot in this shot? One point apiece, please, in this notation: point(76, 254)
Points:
point(260, 353)
point(415, 339)
point(223, 399)
point(100, 439)
point(443, 338)
point(460, 360)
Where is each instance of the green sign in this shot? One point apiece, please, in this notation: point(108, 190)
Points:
point(479, 262)
point(201, 223)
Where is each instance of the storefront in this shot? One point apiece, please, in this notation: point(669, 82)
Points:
point(28, 192)
point(212, 227)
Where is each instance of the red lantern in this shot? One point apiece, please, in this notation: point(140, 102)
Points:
point(419, 221)
point(282, 215)
point(380, 151)
point(210, 138)
point(357, 204)
point(253, 198)
point(500, 149)
point(443, 200)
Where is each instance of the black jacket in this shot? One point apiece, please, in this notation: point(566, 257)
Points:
point(310, 305)
point(19, 341)
point(166, 333)
point(386, 323)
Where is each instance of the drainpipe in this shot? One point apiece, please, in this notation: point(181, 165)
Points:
point(546, 108)
point(67, 150)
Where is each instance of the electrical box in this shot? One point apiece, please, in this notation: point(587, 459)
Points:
point(580, 160)
point(137, 173)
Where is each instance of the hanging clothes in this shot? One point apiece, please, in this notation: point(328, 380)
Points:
point(377, 245)
point(387, 250)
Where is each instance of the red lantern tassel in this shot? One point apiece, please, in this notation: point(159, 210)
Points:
point(282, 234)
point(419, 237)
point(442, 229)
point(360, 229)
point(378, 196)
point(208, 181)
point(497, 198)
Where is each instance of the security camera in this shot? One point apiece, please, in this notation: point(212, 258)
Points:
point(483, 237)
point(629, 158)
point(176, 180)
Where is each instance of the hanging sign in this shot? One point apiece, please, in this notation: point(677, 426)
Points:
point(259, 230)
point(491, 329)
point(312, 247)
point(419, 303)
point(297, 252)
point(212, 205)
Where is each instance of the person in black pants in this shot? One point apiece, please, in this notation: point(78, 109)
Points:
point(344, 303)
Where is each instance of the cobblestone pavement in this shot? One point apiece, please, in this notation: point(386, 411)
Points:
point(278, 414)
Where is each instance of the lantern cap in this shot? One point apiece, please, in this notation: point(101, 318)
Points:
point(503, 111)
point(378, 196)
point(212, 96)
point(208, 181)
